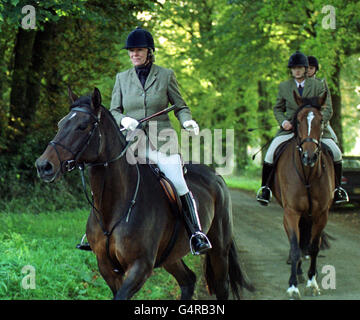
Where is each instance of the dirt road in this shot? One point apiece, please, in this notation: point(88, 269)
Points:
point(263, 247)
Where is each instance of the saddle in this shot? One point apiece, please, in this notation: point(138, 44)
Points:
point(176, 209)
point(168, 188)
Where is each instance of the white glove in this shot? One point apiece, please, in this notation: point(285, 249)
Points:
point(129, 123)
point(191, 125)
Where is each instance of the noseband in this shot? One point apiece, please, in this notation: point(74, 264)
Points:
point(308, 139)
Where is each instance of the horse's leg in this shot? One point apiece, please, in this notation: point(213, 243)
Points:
point(312, 288)
point(299, 273)
point(113, 280)
point(291, 224)
point(136, 275)
point(184, 276)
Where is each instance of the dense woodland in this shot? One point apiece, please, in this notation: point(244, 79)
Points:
point(229, 57)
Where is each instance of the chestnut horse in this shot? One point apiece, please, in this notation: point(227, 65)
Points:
point(303, 185)
point(131, 222)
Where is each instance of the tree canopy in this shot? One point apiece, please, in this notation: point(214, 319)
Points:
point(229, 57)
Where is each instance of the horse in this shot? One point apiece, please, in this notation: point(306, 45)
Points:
point(131, 221)
point(303, 185)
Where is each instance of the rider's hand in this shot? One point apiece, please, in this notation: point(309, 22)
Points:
point(191, 125)
point(129, 123)
point(287, 125)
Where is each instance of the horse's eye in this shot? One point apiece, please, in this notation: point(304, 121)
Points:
point(82, 126)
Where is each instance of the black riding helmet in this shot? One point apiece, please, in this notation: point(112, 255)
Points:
point(313, 62)
point(139, 38)
point(298, 59)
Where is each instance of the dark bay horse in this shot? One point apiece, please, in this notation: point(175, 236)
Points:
point(303, 185)
point(131, 222)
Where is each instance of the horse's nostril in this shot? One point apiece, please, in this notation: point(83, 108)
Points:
point(44, 167)
point(48, 167)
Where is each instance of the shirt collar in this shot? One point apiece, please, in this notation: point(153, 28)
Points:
point(301, 83)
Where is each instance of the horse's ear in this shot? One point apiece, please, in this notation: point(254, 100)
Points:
point(72, 96)
point(297, 98)
point(322, 99)
point(96, 98)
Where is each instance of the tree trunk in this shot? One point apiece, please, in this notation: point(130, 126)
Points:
point(336, 104)
point(264, 110)
point(39, 55)
point(22, 62)
point(241, 140)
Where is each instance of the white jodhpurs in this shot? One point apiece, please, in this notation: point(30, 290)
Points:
point(269, 157)
point(171, 166)
point(336, 152)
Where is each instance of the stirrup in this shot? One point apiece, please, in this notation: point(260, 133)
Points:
point(342, 195)
point(83, 245)
point(259, 195)
point(202, 235)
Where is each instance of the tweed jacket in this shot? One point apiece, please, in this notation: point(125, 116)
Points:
point(131, 99)
point(286, 106)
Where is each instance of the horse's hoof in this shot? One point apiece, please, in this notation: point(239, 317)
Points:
point(312, 292)
point(293, 293)
point(312, 289)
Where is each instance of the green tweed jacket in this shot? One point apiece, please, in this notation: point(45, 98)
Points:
point(286, 106)
point(130, 99)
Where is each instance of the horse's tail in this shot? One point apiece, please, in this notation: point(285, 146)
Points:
point(237, 276)
point(305, 226)
point(325, 243)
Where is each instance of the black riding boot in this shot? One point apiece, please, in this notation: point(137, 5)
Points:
point(199, 243)
point(340, 195)
point(83, 245)
point(264, 194)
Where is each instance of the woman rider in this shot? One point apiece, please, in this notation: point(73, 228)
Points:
point(144, 90)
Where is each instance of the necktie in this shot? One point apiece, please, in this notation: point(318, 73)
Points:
point(300, 88)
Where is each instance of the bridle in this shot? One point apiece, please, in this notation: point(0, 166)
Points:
point(300, 142)
point(69, 165)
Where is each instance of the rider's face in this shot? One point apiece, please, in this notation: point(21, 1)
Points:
point(298, 72)
point(138, 56)
point(311, 71)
